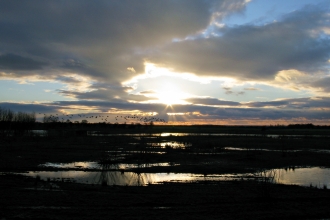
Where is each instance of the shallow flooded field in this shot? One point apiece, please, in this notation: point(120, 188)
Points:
point(170, 147)
point(152, 172)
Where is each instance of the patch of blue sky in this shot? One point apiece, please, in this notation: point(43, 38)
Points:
point(260, 12)
point(11, 90)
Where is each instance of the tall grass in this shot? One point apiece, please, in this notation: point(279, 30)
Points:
point(266, 179)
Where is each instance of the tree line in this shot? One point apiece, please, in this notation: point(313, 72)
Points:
point(7, 115)
point(16, 123)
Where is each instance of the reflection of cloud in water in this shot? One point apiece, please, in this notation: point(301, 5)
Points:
point(173, 144)
point(96, 165)
point(84, 165)
point(112, 177)
point(299, 176)
point(304, 176)
point(173, 134)
point(79, 176)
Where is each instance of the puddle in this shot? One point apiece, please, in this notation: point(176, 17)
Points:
point(315, 176)
point(255, 149)
point(321, 151)
point(74, 165)
point(172, 144)
point(261, 149)
point(95, 165)
point(110, 177)
point(173, 134)
point(162, 207)
point(42, 207)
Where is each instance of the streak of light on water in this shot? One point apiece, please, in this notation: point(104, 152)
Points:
point(261, 149)
point(309, 176)
point(96, 165)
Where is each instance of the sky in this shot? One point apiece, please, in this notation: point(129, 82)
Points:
point(221, 62)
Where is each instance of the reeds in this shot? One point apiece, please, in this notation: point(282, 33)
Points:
point(265, 180)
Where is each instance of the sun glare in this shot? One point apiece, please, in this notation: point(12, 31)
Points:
point(168, 91)
point(169, 94)
point(169, 98)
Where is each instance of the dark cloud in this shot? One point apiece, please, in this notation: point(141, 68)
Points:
point(100, 94)
point(148, 92)
point(139, 98)
point(108, 105)
point(229, 91)
point(29, 108)
point(101, 39)
point(283, 103)
point(97, 91)
point(250, 52)
point(212, 101)
point(322, 84)
point(105, 36)
point(67, 79)
point(295, 103)
point(105, 92)
point(16, 62)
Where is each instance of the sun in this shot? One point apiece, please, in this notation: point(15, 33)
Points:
point(170, 94)
point(169, 98)
point(162, 85)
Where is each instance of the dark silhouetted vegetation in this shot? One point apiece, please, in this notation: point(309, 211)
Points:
point(16, 123)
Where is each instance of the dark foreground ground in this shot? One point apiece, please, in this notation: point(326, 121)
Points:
point(21, 198)
point(30, 198)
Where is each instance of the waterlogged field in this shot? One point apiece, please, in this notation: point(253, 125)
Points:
point(176, 169)
point(190, 153)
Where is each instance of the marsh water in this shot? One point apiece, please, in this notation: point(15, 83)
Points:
point(303, 176)
point(119, 173)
